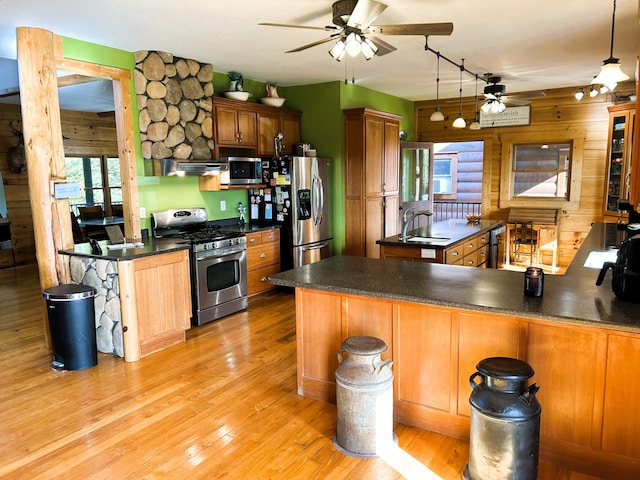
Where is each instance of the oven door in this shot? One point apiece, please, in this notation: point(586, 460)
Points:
point(221, 285)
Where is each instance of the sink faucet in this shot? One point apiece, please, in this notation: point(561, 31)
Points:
point(408, 217)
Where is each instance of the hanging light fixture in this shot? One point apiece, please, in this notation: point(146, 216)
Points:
point(437, 116)
point(475, 125)
point(610, 73)
point(459, 122)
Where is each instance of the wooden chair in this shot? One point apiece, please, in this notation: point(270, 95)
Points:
point(524, 241)
point(78, 234)
point(91, 212)
point(542, 238)
point(116, 210)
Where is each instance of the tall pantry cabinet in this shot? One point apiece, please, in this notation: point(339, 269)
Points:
point(372, 156)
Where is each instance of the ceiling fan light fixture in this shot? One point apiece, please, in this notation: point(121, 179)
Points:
point(338, 50)
point(353, 44)
point(610, 71)
point(368, 48)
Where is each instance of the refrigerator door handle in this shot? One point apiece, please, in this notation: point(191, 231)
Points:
point(316, 246)
point(318, 200)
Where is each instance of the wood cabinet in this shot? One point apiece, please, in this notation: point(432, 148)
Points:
point(270, 123)
point(590, 420)
point(248, 129)
point(619, 152)
point(263, 259)
point(372, 155)
point(156, 304)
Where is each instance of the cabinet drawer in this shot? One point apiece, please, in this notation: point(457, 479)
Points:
point(454, 255)
point(483, 239)
point(253, 238)
point(258, 280)
point(471, 260)
point(471, 245)
point(263, 255)
point(483, 254)
point(271, 236)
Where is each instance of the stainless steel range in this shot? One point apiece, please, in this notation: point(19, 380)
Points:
point(218, 262)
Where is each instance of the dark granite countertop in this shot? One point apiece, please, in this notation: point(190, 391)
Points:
point(152, 246)
point(453, 231)
point(572, 298)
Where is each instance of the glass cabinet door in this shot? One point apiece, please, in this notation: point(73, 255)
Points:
point(618, 158)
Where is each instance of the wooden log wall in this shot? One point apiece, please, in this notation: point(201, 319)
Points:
point(83, 133)
point(558, 110)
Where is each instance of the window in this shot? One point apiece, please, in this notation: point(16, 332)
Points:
point(542, 170)
point(445, 181)
point(99, 179)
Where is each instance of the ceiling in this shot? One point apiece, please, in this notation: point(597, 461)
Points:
point(532, 45)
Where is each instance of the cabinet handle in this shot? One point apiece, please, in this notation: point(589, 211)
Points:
point(455, 253)
point(252, 239)
point(263, 279)
point(470, 262)
point(263, 255)
point(271, 236)
point(471, 245)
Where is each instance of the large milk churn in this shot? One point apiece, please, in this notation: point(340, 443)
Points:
point(505, 422)
point(364, 398)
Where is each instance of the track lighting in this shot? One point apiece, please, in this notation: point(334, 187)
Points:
point(610, 73)
point(475, 125)
point(459, 122)
point(593, 92)
point(580, 93)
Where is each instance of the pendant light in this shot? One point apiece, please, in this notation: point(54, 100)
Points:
point(459, 122)
point(610, 74)
point(437, 116)
point(475, 125)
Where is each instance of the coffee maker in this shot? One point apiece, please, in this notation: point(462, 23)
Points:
point(625, 280)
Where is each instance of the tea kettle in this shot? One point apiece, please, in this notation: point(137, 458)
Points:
point(625, 281)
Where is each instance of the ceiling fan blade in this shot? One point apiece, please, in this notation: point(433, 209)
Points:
point(312, 44)
point(512, 101)
point(287, 25)
point(412, 29)
point(383, 47)
point(364, 13)
point(528, 95)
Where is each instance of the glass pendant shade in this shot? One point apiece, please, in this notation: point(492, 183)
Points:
point(475, 125)
point(437, 116)
point(610, 74)
point(354, 44)
point(459, 123)
point(338, 50)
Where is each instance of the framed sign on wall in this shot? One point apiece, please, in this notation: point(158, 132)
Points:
point(512, 116)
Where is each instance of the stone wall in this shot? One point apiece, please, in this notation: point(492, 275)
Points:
point(174, 98)
point(103, 276)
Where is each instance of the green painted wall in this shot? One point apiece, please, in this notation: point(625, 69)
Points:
point(322, 126)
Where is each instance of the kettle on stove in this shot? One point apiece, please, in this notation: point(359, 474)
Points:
point(625, 281)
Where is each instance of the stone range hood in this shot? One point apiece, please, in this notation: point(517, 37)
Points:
point(174, 98)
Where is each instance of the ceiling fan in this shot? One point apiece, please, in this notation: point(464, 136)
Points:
point(355, 34)
point(495, 98)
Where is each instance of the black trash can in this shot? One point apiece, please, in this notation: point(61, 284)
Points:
point(71, 313)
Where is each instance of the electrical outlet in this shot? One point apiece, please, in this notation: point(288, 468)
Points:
point(143, 212)
point(223, 205)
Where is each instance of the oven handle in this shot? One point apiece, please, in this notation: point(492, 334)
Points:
point(211, 255)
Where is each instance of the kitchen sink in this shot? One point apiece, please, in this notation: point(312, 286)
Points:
point(428, 239)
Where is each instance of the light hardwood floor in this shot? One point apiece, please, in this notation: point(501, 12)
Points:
point(222, 405)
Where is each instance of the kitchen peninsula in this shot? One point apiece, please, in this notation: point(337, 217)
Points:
point(143, 300)
point(439, 321)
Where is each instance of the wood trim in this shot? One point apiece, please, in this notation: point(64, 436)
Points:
point(129, 309)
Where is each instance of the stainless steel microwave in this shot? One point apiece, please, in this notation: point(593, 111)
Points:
point(244, 170)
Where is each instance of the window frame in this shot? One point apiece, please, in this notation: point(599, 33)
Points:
point(453, 156)
point(574, 137)
point(106, 188)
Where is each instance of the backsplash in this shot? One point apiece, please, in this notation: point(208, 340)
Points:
point(174, 101)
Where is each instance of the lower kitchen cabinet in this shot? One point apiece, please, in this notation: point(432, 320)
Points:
point(263, 259)
point(155, 298)
point(473, 252)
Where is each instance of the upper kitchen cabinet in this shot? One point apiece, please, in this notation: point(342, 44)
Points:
point(249, 129)
point(275, 121)
point(234, 125)
point(619, 150)
point(372, 156)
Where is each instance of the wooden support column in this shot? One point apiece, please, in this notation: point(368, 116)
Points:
point(44, 149)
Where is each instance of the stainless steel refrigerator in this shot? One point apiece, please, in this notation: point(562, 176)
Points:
point(298, 198)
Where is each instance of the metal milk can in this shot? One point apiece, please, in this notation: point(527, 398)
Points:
point(364, 398)
point(505, 422)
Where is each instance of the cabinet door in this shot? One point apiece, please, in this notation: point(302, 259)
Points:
point(247, 128)
point(391, 157)
point(426, 373)
point(290, 128)
point(268, 128)
point(374, 228)
point(364, 316)
point(621, 422)
point(226, 125)
point(391, 215)
point(374, 156)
